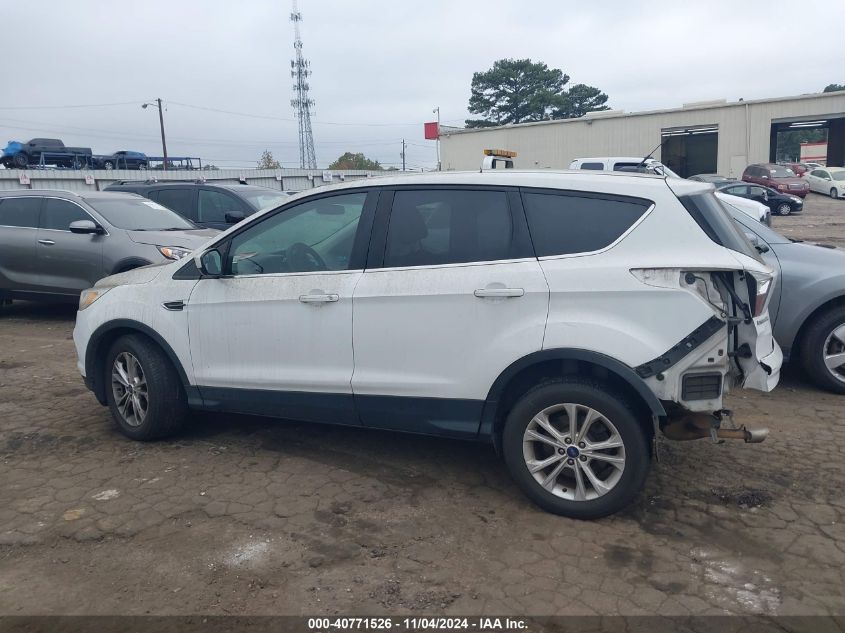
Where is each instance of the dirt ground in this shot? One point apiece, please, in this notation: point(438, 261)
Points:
point(244, 515)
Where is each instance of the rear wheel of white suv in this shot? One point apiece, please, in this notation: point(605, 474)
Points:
point(575, 448)
point(144, 391)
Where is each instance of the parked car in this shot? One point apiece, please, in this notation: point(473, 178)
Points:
point(798, 168)
point(563, 317)
point(210, 205)
point(623, 163)
point(54, 244)
point(122, 159)
point(755, 210)
point(777, 202)
point(827, 180)
point(807, 304)
point(715, 179)
point(777, 177)
point(49, 151)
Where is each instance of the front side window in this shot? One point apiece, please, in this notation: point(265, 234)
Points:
point(564, 223)
point(430, 228)
point(214, 205)
point(20, 212)
point(317, 235)
point(737, 191)
point(58, 214)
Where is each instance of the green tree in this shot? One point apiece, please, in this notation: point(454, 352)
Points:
point(579, 100)
point(267, 161)
point(834, 87)
point(355, 161)
point(519, 91)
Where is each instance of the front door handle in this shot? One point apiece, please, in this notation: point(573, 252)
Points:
point(318, 298)
point(485, 293)
point(46, 242)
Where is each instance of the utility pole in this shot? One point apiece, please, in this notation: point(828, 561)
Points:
point(161, 124)
point(403, 154)
point(437, 111)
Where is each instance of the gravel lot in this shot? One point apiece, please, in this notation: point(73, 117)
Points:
point(244, 515)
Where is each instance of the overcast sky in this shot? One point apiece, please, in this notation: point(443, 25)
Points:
point(379, 67)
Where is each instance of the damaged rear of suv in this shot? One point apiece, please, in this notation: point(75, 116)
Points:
point(566, 318)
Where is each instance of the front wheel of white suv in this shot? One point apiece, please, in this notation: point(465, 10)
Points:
point(576, 448)
point(144, 391)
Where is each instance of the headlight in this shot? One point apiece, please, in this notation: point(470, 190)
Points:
point(173, 252)
point(90, 296)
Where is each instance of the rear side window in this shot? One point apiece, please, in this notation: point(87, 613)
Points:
point(715, 220)
point(179, 200)
point(597, 166)
point(22, 212)
point(563, 223)
point(58, 214)
point(428, 228)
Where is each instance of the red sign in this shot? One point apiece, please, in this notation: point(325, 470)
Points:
point(431, 131)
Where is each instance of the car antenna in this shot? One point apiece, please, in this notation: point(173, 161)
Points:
point(647, 156)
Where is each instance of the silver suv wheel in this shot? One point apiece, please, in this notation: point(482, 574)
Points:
point(574, 451)
point(129, 387)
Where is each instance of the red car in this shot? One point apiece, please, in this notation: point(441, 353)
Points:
point(799, 168)
point(777, 177)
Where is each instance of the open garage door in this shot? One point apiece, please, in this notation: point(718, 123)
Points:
point(817, 139)
point(690, 151)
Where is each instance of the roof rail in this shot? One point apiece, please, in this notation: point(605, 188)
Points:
point(154, 181)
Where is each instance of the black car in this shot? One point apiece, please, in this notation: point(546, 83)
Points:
point(779, 203)
point(122, 159)
point(213, 206)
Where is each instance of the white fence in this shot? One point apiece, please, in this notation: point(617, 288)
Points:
point(98, 179)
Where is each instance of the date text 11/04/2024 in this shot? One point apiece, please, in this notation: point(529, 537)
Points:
point(418, 623)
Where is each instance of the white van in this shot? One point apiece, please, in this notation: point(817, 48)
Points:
point(623, 163)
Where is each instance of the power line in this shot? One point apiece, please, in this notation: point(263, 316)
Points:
point(64, 107)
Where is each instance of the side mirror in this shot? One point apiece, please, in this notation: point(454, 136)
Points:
point(756, 243)
point(233, 217)
point(765, 177)
point(209, 263)
point(85, 227)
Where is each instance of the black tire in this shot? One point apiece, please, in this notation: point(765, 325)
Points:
point(813, 348)
point(783, 209)
point(108, 165)
point(834, 193)
point(167, 406)
point(20, 160)
point(614, 408)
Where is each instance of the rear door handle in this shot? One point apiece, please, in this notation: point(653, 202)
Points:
point(46, 242)
point(318, 298)
point(484, 293)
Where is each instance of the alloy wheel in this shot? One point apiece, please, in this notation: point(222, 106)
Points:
point(129, 387)
point(574, 452)
point(834, 352)
point(784, 209)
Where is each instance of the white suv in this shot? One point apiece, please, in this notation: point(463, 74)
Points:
point(565, 318)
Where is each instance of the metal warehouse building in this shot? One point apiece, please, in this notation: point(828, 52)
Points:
point(705, 137)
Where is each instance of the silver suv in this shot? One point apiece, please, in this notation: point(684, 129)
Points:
point(54, 244)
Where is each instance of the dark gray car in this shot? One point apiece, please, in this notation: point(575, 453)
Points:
point(808, 302)
point(54, 244)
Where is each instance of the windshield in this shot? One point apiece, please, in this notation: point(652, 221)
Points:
point(263, 199)
point(838, 175)
point(781, 172)
point(748, 223)
point(715, 220)
point(136, 214)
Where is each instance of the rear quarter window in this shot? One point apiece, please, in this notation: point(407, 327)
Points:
point(566, 223)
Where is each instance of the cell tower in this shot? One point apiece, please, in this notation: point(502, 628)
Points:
point(299, 71)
